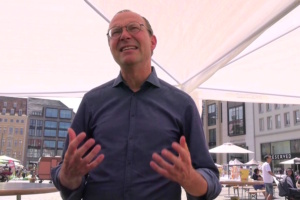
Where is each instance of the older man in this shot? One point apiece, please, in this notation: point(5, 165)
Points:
point(136, 137)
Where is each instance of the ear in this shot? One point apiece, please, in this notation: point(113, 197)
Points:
point(153, 42)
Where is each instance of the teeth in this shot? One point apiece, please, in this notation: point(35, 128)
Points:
point(127, 48)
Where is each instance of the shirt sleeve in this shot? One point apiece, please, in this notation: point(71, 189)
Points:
point(65, 193)
point(201, 159)
point(79, 124)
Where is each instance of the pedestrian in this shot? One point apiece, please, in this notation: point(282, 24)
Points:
point(268, 177)
point(136, 137)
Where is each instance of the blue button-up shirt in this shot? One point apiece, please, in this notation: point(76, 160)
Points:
point(130, 126)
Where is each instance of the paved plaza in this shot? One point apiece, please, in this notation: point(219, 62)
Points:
point(56, 196)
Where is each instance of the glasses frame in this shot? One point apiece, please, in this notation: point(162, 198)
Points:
point(122, 28)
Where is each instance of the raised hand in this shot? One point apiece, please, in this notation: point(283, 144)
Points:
point(75, 166)
point(179, 168)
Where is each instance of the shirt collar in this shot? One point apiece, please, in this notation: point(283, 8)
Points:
point(153, 79)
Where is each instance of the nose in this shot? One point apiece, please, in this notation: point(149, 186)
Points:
point(125, 34)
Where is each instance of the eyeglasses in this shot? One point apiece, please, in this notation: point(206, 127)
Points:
point(132, 28)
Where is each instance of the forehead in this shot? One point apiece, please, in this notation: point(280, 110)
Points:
point(121, 19)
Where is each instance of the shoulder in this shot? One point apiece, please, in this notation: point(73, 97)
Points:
point(174, 92)
point(98, 90)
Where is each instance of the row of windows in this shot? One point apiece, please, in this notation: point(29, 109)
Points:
point(278, 121)
point(9, 143)
point(37, 143)
point(63, 114)
point(14, 104)
point(269, 107)
point(37, 153)
point(48, 133)
point(12, 130)
point(11, 120)
point(12, 111)
point(48, 124)
point(14, 154)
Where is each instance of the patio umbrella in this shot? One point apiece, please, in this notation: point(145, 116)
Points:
point(252, 162)
point(7, 158)
point(229, 148)
point(288, 162)
point(235, 162)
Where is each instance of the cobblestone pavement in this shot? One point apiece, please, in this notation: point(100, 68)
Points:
point(56, 196)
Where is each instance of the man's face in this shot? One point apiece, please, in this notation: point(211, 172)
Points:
point(129, 49)
point(269, 159)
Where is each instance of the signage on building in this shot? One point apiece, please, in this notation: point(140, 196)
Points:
point(281, 156)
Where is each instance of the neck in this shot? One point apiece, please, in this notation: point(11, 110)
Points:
point(135, 76)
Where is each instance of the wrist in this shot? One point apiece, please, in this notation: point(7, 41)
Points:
point(70, 183)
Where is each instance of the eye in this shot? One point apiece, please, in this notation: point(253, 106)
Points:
point(115, 31)
point(134, 27)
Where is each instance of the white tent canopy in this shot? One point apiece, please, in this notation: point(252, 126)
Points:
point(226, 50)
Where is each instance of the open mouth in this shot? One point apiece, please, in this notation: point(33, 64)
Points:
point(127, 48)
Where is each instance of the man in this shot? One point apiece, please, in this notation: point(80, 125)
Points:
point(268, 177)
point(149, 132)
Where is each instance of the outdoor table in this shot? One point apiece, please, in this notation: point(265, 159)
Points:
point(240, 183)
point(19, 189)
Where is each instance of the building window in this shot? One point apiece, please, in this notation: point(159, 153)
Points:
point(261, 124)
point(211, 115)
point(15, 105)
point(11, 130)
point(35, 143)
point(3, 111)
point(21, 131)
point(22, 120)
point(65, 114)
point(260, 108)
point(50, 133)
point(64, 125)
point(62, 133)
point(12, 111)
point(287, 121)
point(16, 130)
point(277, 106)
point(51, 124)
point(4, 103)
point(60, 144)
point(236, 123)
point(16, 143)
point(297, 116)
point(268, 107)
point(51, 112)
point(20, 112)
point(12, 120)
point(49, 144)
point(285, 105)
point(33, 153)
point(212, 138)
point(269, 123)
point(278, 121)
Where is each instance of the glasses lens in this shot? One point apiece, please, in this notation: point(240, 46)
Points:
point(133, 27)
point(115, 32)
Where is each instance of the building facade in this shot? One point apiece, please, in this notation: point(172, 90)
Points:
point(260, 127)
point(13, 127)
point(48, 121)
point(277, 132)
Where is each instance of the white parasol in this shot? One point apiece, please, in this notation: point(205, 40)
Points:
point(7, 158)
point(229, 148)
point(288, 162)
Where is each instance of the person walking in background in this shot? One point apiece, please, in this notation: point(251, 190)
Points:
point(136, 137)
point(268, 177)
